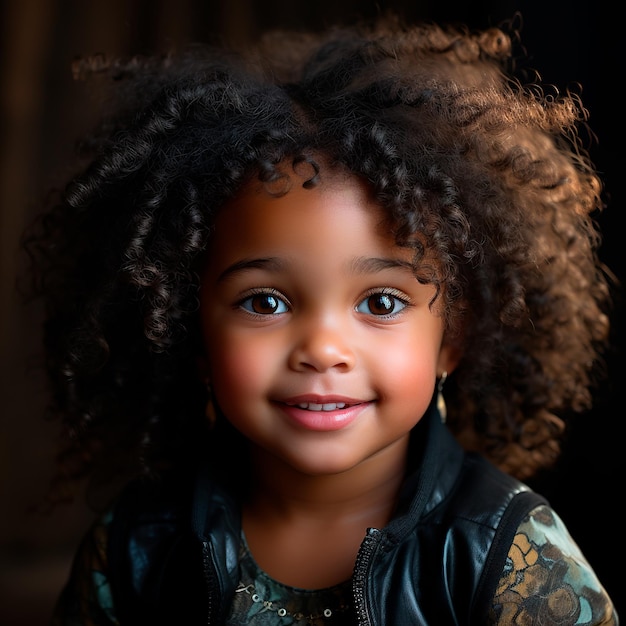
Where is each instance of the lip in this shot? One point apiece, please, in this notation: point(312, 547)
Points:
point(323, 420)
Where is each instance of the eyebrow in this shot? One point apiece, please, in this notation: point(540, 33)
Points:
point(372, 265)
point(359, 265)
point(269, 263)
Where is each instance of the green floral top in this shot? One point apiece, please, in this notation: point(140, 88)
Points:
point(546, 580)
point(263, 601)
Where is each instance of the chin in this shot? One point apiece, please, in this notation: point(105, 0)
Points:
point(322, 464)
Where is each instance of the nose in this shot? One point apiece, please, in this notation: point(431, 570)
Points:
point(320, 345)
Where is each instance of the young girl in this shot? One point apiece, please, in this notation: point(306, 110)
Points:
point(269, 274)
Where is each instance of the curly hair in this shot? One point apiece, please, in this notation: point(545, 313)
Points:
point(473, 167)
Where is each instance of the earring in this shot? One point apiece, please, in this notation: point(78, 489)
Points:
point(209, 409)
point(441, 403)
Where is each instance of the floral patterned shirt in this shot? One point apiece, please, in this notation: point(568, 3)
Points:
point(546, 580)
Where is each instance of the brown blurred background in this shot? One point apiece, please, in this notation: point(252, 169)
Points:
point(43, 111)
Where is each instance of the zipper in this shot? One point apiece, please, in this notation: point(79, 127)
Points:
point(210, 580)
point(361, 568)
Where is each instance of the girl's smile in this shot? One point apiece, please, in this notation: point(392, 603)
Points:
point(324, 414)
point(323, 347)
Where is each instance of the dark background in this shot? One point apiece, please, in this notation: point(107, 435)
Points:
point(43, 111)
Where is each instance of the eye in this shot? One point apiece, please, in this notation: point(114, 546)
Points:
point(382, 303)
point(264, 303)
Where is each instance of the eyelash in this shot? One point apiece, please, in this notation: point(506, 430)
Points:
point(396, 295)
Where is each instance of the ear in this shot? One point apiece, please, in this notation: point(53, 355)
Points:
point(449, 356)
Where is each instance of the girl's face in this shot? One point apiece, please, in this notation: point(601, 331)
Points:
point(321, 346)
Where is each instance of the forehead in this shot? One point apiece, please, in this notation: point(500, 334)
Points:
point(335, 217)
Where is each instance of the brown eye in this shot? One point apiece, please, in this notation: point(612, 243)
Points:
point(382, 304)
point(265, 303)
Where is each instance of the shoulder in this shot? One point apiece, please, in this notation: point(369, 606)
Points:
point(547, 575)
point(484, 494)
point(124, 552)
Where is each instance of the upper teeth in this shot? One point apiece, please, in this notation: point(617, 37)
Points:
point(312, 406)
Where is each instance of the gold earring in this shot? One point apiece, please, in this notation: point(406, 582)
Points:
point(441, 403)
point(209, 409)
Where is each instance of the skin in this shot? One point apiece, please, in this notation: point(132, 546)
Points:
point(307, 301)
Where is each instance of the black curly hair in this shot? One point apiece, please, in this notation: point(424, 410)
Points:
point(487, 172)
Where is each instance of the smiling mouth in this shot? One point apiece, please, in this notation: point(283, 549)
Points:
point(312, 406)
point(323, 416)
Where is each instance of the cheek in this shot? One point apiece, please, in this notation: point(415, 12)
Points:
point(408, 371)
point(239, 368)
point(411, 375)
